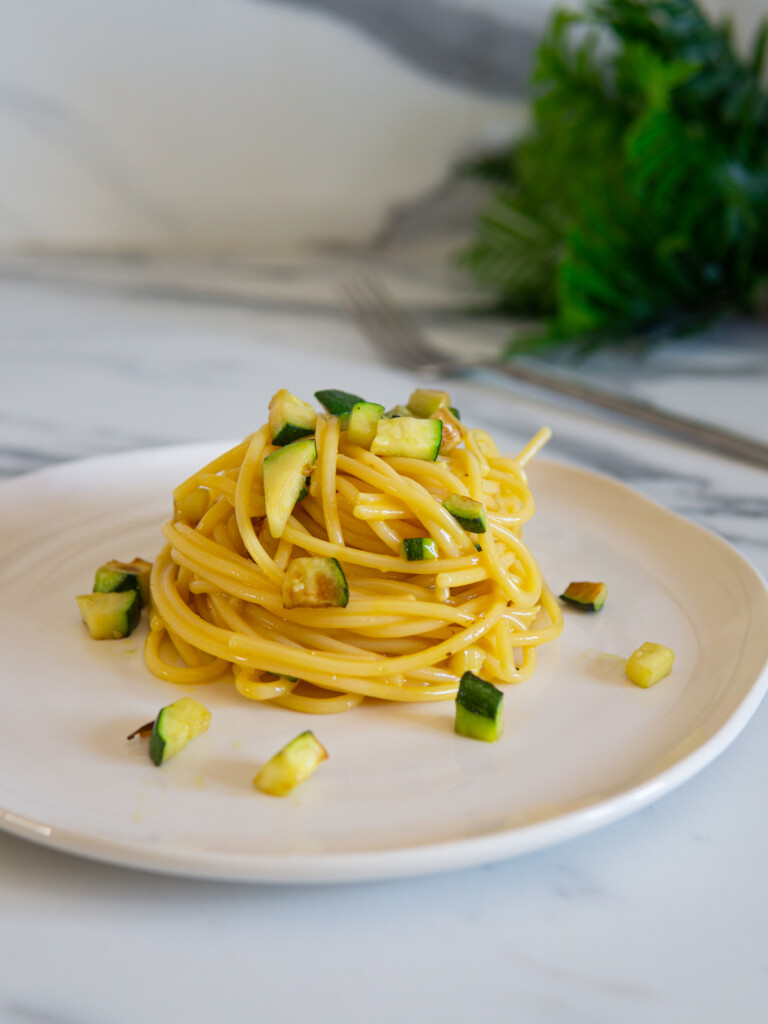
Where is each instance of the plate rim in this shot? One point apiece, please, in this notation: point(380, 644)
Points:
point(400, 861)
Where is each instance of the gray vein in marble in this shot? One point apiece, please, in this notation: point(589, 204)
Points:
point(37, 1015)
point(64, 130)
point(466, 48)
point(47, 442)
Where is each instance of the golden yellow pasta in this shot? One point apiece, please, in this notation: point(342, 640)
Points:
point(423, 595)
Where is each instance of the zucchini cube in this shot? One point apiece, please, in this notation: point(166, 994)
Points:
point(291, 766)
point(468, 512)
point(479, 709)
point(315, 583)
point(361, 428)
point(118, 576)
point(425, 402)
point(589, 596)
point(338, 403)
point(110, 616)
point(649, 663)
point(175, 725)
point(418, 549)
point(290, 418)
point(408, 437)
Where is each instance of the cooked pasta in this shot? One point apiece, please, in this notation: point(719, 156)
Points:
point(406, 630)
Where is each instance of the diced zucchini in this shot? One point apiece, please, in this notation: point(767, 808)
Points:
point(468, 513)
point(589, 596)
point(418, 549)
point(338, 403)
point(397, 411)
point(363, 418)
point(175, 726)
point(290, 418)
point(110, 616)
point(315, 583)
point(291, 765)
point(479, 709)
point(408, 436)
point(650, 663)
point(192, 507)
point(118, 576)
point(424, 402)
point(285, 474)
point(455, 412)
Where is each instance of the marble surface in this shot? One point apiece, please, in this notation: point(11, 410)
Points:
point(661, 916)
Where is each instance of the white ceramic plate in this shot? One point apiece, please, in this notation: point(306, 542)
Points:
point(400, 793)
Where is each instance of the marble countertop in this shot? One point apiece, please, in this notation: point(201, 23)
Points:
point(660, 916)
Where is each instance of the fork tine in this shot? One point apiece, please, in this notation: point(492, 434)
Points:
point(393, 332)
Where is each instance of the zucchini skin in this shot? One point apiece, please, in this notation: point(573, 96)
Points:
point(291, 432)
point(338, 403)
point(315, 583)
point(479, 709)
point(290, 418)
point(118, 576)
point(110, 616)
point(588, 596)
point(176, 724)
point(468, 513)
point(419, 549)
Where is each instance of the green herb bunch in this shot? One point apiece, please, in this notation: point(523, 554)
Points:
point(637, 204)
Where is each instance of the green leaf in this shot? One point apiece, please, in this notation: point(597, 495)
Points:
point(639, 198)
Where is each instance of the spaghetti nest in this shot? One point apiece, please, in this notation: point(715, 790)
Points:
point(409, 629)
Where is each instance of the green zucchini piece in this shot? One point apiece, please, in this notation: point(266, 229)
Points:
point(363, 418)
point(110, 616)
point(455, 411)
point(589, 596)
point(290, 418)
point(468, 513)
point(338, 403)
point(285, 474)
point(175, 726)
point(408, 436)
point(118, 576)
point(315, 583)
point(192, 507)
point(418, 549)
point(479, 709)
point(425, 402)
point(397, 411)
point(291, 765)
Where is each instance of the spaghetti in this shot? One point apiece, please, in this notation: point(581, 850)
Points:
point(409, 629)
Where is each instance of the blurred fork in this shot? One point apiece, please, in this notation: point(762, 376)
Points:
point(396, 336)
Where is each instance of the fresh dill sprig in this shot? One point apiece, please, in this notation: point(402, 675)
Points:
point(637, 204)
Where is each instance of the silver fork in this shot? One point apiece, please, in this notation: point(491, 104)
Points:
point(396, 336)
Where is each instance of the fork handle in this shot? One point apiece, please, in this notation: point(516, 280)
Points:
point(703, 435)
